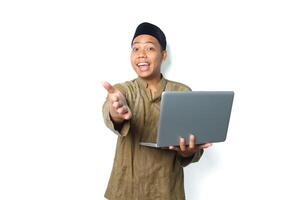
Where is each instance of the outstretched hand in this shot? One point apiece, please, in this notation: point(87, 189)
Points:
point(189, 150)
point(118, 107)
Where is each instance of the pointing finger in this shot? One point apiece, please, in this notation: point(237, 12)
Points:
point(108, 87)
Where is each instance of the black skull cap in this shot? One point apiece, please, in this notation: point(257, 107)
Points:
point(146, 28)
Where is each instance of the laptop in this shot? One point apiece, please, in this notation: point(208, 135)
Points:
point(204, 114)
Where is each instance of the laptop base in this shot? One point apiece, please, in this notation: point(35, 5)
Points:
point(149, 144)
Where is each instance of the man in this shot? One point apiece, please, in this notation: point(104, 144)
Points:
point(132, 111)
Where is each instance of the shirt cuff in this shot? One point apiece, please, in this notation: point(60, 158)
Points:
point(123, 131)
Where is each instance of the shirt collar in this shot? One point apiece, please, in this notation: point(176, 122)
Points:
point(160, 87)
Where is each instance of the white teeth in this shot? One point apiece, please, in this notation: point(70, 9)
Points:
point(142, 64)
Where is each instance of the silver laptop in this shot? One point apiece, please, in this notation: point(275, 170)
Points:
point(204, 114)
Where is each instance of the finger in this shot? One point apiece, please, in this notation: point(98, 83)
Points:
point(173, 148)
point(117, 104)
point(114, 98)
point(122, 110)
point(110, 89)
point(192, 141)
point(182, 144)
point(206, 145)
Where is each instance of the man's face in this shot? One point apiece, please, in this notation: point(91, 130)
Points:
point(147, 56)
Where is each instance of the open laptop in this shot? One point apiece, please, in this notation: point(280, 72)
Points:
point(204, 114)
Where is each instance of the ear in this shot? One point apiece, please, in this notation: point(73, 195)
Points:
point(164, 55)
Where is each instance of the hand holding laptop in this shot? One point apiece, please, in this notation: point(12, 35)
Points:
point(188, 150)
point(119, 109)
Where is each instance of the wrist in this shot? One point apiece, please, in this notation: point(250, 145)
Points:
point(186, 155)
point(116, 119)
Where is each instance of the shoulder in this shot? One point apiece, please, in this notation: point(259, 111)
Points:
point(176, 86)
point(127, 87)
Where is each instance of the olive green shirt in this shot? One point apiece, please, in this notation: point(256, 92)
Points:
point(139, 172)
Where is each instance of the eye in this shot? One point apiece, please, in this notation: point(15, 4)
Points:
point(135, 49)
point(150, 49)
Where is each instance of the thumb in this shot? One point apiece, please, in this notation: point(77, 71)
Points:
point(108, 87)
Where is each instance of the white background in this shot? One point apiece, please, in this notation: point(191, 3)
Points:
point(54, 55)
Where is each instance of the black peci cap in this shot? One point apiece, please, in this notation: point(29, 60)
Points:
point(153, 30)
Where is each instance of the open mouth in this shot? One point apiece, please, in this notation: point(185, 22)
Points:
point(143, 66)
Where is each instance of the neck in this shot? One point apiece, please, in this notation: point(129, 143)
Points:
point(153, 82)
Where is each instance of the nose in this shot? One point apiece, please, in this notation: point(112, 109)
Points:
point(142, 54)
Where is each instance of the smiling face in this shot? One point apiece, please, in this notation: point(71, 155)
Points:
point(147, 57)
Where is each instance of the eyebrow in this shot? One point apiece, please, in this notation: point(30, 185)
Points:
point(143, 42)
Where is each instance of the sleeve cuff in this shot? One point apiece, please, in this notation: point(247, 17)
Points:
point(124, 130)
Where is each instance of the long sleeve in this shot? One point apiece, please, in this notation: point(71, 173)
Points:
point(123, 131)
